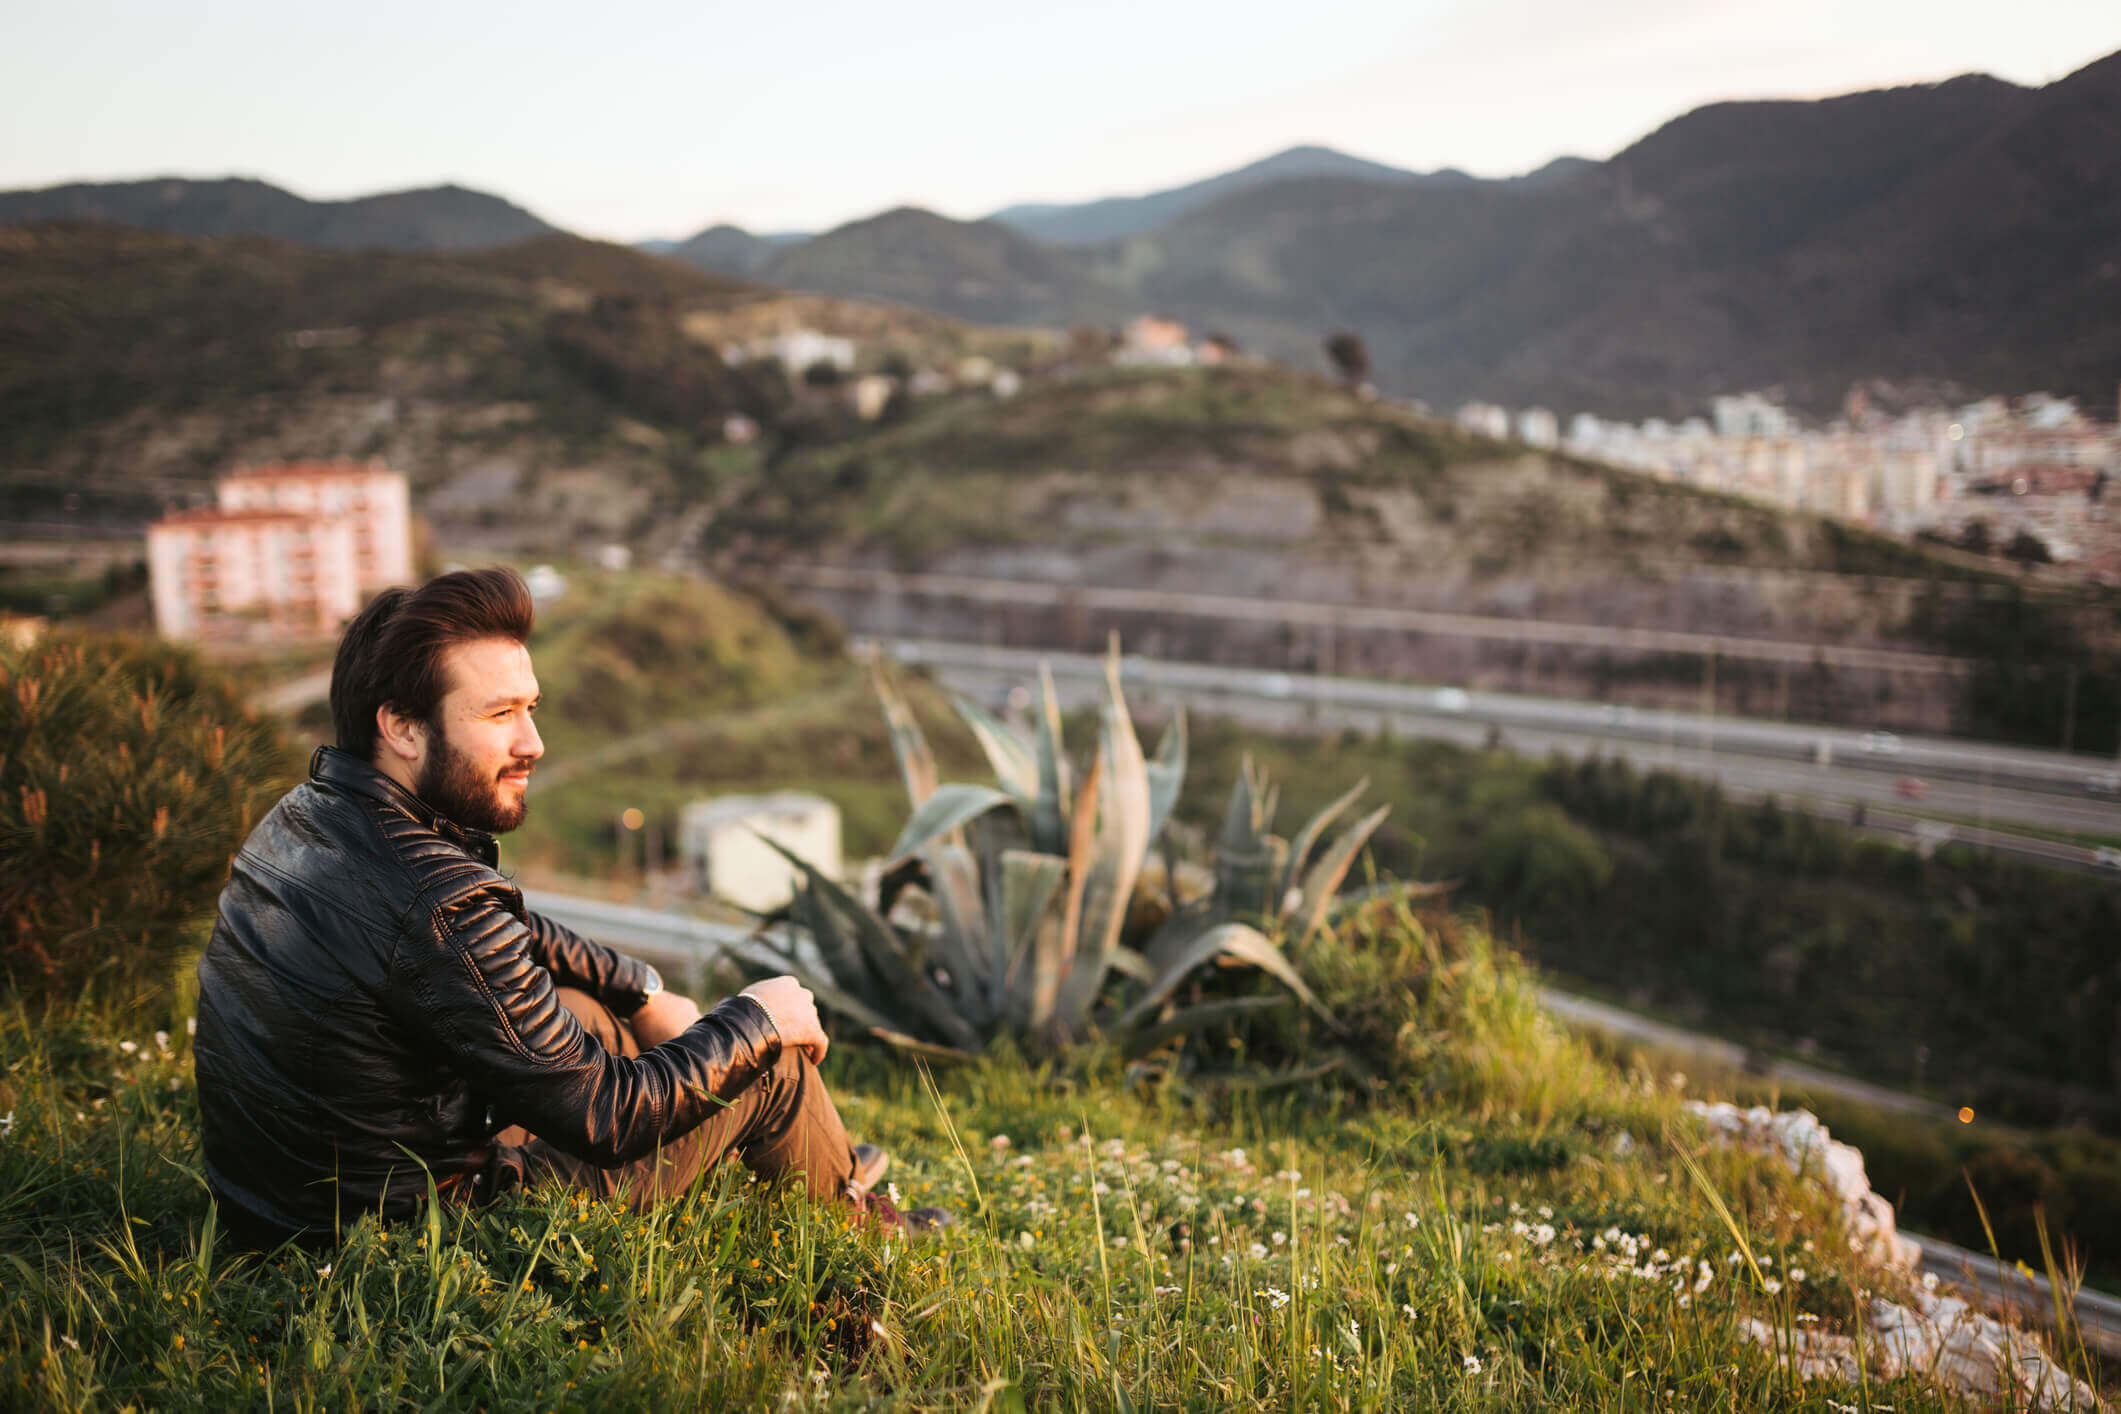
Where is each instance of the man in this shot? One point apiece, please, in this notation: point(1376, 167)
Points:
point(377, 1006)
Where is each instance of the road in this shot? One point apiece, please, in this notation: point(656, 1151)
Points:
point(1829, 770)
point(686, 945)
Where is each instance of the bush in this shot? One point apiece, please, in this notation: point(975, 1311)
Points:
point(129, 775)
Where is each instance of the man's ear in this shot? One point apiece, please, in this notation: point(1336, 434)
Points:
point(402, 737)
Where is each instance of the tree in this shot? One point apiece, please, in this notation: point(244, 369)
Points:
point(1351, 357)
point(1974, 536)
point(2029, 549)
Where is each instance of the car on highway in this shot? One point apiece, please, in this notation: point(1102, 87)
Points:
point(1277, 685)
point(1880, 744)
point(1450, 699)
point(2104, 783)
point(2107, 858)
point(1908, 788)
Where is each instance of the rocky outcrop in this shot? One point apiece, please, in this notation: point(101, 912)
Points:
point(1930, 1333)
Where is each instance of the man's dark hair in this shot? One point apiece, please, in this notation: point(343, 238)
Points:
point(392, 651)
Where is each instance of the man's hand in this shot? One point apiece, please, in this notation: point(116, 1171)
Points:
point(663, 1017)
point(794, 1012)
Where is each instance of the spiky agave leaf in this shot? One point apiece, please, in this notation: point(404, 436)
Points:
point(1238, 940)
point(1167, 772)
point(1122, 843)
point(1056, 947)
point(942, 815)
point(1324, 879)
point(916, 763)
point(1247, 862)
point(1049, 810)
point(1307, 838)
point(893, 959)
point(1015, 761)
point(1031, 882)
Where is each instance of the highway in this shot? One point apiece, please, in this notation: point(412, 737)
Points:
point(1833, 771)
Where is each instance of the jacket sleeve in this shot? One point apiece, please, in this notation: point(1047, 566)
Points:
point(611, 977)
point(464, 977)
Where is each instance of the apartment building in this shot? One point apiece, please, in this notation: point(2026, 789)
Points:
point(290, 550)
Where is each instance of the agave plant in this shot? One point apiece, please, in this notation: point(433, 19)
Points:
point(1030, 881)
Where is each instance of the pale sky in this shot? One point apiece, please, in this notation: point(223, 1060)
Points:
point(638, 118)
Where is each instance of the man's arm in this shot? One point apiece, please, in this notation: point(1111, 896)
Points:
point(616, 980)
point(466, 979)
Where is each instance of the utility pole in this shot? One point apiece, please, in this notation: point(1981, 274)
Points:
point(1708, 702)
point(2069, 709)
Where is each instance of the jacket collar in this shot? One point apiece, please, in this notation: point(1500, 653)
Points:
point(330, 766)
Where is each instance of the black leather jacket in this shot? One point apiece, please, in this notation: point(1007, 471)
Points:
point(375, 998)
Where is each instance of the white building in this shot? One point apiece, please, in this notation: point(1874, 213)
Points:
point(801, 350)
point(1536, 427)
point(1485, 419)
point(242, 574)
point(721, 845)
point(374, 500)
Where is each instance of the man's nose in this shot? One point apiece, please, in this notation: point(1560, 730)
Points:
point(528, 745)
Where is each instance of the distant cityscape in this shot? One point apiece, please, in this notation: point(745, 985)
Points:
point(2024, 476)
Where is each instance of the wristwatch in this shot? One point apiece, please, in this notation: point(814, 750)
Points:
point(650, 985)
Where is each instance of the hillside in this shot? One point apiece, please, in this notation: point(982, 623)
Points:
point(545, 394)
point(1269, 486)
point(1115, 218)
point(432, 218)
point(977, 270)
point(1957, 233)
point(731, 250)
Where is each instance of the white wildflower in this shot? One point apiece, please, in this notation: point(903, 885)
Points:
point(162, 1042)
point(1929, 1281)
point(1215, 1240)
point(1413, 1220)
point(1275, 1296)
point(1257, 1251)
point(891, 1192)
point(191, 1025)
point(1288, 1176)
point(7, 1124)
point(69, 1342)
point(324, 1271)
point(128, 1047)
point(1391, 1269)
point(1025, 1240)
point(1472, 1364)
point(1303, 1193)
point(1406, 1310)
point(1771, 1286)
point(1354, 1332)
point(1796, 1276)
point(1280, 1238)
point(1119, 1242)
point(998, 1142)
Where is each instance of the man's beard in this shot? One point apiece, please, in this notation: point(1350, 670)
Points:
point(453, 785)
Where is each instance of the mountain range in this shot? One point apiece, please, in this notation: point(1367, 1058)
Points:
point(1966, 234)
point(430, 218)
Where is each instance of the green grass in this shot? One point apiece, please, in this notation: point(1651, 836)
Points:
point(1475, 1235)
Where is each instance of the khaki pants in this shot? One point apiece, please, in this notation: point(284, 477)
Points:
point(783, 1125)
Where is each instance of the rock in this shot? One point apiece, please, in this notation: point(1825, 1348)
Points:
point(1939, 1336)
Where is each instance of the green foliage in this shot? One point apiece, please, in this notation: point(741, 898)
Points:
point(1119, 1245)
point(129, 775)
point(1031, 883)
point(1541, 854)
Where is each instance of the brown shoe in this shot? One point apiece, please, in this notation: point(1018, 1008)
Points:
point(870, 1162)
point(879, 1210)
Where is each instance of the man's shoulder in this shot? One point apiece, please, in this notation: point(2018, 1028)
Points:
point(361, 852)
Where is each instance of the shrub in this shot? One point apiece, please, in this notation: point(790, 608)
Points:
point(129, 775)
